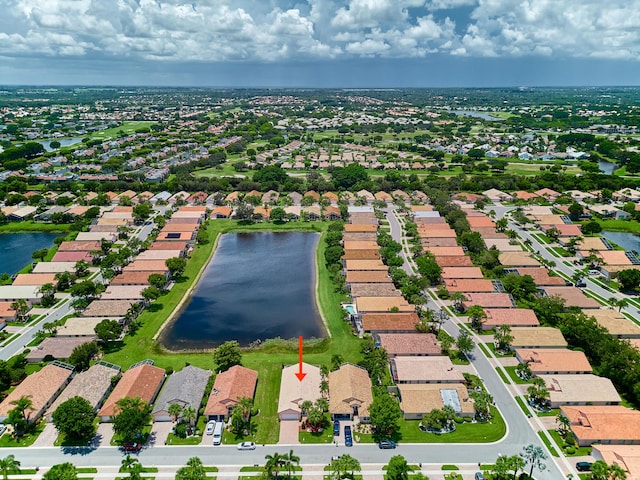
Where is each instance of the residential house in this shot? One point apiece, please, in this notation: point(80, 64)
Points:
point(537, 337)
point(547, 361)
point(607, 424)
point(185, 388)
point(418, 399)
point(350, 393)
point(587, 389)
point(229, 386)
point(294, 391)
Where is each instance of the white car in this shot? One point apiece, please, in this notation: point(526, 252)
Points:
point(246, 446)
point(210, 427)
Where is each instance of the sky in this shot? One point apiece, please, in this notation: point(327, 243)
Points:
point(320, 43)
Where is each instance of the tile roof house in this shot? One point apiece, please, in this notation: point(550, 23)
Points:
point(625, 456)
point(461, 272)
point(107, 308)
point(59, 348)
point(7, 314)
point(416, 400)
point(408, 344)
point(350, 393)
point(434, 369)
point(573, 296)
point(383, 304)
point(616, 323)
point(488, 300)
point(374, 290)
point(469, 286)
point(537, 337)
point(610, 424)
point(554, 361)
point(514, 317)
point(294, 391)
point(540, 276)
point(41, 387)
point(390, 322)
point(93, 385)
point(517, 259)
point(367, 276)
point(229, 386)
point(142, 381)
point(587, 389)
point(186, 388)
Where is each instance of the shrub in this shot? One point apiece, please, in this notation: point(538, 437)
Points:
point(180, 430)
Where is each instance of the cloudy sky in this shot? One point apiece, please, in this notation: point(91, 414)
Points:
point(318, 43)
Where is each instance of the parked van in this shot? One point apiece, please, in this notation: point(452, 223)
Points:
point(217, 433)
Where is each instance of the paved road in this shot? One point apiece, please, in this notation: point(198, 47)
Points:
point(520, 431)
point(29, 333)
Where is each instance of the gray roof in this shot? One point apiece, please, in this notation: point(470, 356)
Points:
point(185, 387)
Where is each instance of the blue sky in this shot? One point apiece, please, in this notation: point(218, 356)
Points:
point(320, 43)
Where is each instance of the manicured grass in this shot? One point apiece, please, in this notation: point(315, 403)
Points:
point(484, 349)
point(578, 451)
point(269, 359)
point(325, 436)
point(620, 225)
point(492, 347)
point(559, 251)
point(144, 470)
point(502, 375)
point(450, 467)
point(25, 441)
point(511, 371)
point(542, 238)
point(466, 432)
point(126, 127)
point(522, 404)
point(546, 441)
point(116, 440)
point(31, 226)
point(86, 470)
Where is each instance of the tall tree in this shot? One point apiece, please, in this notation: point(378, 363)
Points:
point(132, 415)
point(397, 468)
point(74, 418)
point(227, 355)
point(534, 455)
point(385, 413)
point(62, 471)
point(193, 470)
point(8, 464)
point(176, 266)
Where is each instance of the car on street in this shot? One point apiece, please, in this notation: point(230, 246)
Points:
point(336, 428)
point(581, 284)
point(479, 476)
point(583, 466)
point(384, 444)
point(246, 446)
point(131, 447)
point(210, 427)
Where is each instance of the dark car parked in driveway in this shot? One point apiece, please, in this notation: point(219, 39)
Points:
point(336, 428)
point(348, 438)
point(583, 466)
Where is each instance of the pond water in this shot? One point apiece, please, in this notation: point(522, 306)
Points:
point(64, 142)
point(257, 286)
point(607, 167)
point(471, 113)
point(629, 241)
point(16, 249)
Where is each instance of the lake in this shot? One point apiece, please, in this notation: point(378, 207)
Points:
point(607, 167)
point(257, 286)
point(64, 142)
point(629, 241)
point(16, 248)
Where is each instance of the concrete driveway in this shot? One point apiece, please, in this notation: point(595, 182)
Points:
point(47, 437)
point(103, 435)
point(289, 432)
point(159, 433)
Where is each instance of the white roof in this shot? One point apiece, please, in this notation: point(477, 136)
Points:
point(293, 391)
point(19, 291)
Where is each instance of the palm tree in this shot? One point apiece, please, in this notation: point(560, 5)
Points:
point(291, 460)
point(8, 464)
point(458, 298)
point(245, 404)
point(563, 424)
point(273, 465)
point(175, 409)
point(22, 309)
point(616, 472)
point(503, 336)
point(324, 388)
point(189, 414)
point(23, 404)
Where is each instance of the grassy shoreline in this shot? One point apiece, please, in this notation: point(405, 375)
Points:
point(31, 226)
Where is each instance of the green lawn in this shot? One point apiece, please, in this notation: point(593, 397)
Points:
point(613, 225)
point(492, 347)
point(25, 441)
point(325, 436)
point(546, 441)
point(31, 226)
point(126, 127)
point(511, 371)
point(577, 452)
point(269, 359)
point(502, 375)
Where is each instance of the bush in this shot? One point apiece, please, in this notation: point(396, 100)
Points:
point(458, 419)
point(180, 430)
point(569, 450)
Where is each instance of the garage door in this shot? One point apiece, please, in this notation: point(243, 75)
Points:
point(289, 416)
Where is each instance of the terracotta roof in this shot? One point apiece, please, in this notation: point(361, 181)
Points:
point(228, 387)
point(373, 254)
point(610, 423)
point(552, 360)
point(350, 386)
point(79, 246)
point(434, 369)
point(540, 276)
point(133, 278)
point(146, 266)
point(461, 272)
point(614, 257)
point(374, 290)
point(57, 347)
point(459, 261)
point(367, 276)
point(72, 257)
point(409, 343)
point(473, 285)
point(482, 221)
point(360, 236)
point(168, 246)
point(488, 300)
point(626, 456)
point(514, 317)
point(446, 251)
point(363, 227)
point(502, 244)
point(573, 297)
point(389, 322)
point(353, 265)
point(41, 387)
point(143, 381)
point(6, 311)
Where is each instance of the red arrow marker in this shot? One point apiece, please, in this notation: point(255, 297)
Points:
point(300, 374)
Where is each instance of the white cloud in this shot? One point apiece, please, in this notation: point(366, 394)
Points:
point(274, 30)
